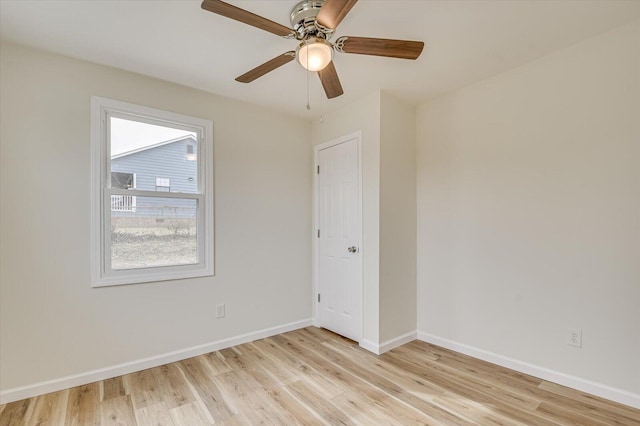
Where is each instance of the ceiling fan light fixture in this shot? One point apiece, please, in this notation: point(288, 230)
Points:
point(313, 23)
point(314, 54)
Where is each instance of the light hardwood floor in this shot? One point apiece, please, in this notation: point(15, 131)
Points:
point(312, 376)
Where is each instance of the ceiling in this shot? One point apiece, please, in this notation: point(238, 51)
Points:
point(177, 41)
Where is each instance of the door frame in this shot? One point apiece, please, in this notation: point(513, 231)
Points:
point(357, 135)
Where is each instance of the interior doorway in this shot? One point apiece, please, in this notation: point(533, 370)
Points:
point(338, 248)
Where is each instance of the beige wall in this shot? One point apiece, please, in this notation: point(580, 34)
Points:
point(363, 115)
point(528, 212)
point(397, 218)
point(53, 323)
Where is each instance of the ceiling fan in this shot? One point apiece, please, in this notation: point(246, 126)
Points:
point(314, 23)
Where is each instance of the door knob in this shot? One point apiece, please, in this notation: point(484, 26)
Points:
point(352, 249)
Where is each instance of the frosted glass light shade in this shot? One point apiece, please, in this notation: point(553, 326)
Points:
point(315, 54)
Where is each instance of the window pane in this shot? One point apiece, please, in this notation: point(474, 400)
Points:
point(149, 152)
point(157, 232)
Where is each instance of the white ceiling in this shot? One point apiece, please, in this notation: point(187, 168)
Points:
point(177, 41)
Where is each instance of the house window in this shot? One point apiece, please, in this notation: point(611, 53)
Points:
point(152, 212)
point(163, 184)
point(123, 203)
point(191, 154)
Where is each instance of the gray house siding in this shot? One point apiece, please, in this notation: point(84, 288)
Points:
point(169, 161)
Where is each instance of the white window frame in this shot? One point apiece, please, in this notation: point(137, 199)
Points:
point(102, 273)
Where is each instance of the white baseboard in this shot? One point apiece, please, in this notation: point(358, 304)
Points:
point(383, 347)
point(398, 341)
point(41, 388)
point(370, 346)
point(598, 389)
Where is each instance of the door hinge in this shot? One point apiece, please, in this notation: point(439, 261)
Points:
point(318, 169)
point(318, 297)
point(318, 233)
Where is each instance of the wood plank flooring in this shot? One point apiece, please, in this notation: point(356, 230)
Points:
point(314, 377)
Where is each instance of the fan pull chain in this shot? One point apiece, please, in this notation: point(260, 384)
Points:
point(307, 45)
point(321, 105)
point(308, 106)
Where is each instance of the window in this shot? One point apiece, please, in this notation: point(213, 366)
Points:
point(152, 207)
point(191, 155)
point(163, 184)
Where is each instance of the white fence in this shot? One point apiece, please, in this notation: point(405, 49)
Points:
point(123, 203)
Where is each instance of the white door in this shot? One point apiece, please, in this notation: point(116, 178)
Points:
point(339, 258)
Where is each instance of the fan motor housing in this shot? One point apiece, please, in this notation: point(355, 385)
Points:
point(303, 18)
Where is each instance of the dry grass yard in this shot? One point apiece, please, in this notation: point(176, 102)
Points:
point(314, 377)
point(149, 247)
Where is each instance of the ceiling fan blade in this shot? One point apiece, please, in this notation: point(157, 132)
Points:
point(404, 49)
point(244, 16)
point(330, 81)
point(333, 12)
point(268, 66)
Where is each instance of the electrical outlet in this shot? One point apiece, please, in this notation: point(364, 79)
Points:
point(574, 337)
point(220, 310)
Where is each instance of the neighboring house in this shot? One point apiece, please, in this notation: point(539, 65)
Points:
point(169, 166)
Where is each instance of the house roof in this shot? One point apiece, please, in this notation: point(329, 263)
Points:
point(148, 147)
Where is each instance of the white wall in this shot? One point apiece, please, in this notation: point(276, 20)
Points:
point(528, 212)
point(363, 115)
point(53, 324)
point(397, 218)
